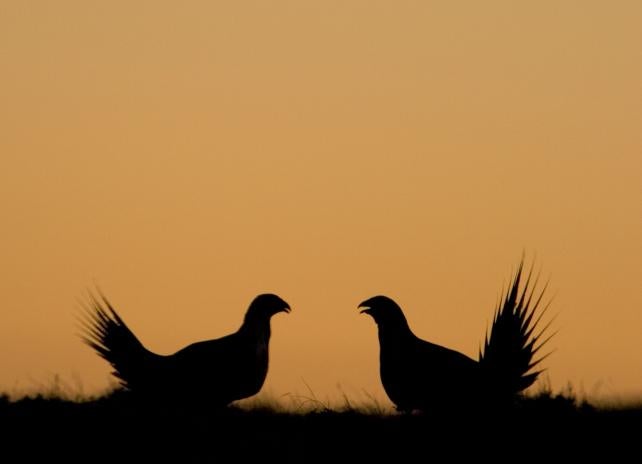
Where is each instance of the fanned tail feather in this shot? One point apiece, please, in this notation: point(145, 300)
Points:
point(509, 353)
point(105, 332)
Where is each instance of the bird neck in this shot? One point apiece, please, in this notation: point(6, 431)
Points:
point(256, 327)
point(393, 332)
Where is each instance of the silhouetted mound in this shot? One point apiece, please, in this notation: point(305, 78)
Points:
point(118, 428)
point(417, 374)
point(208, 374)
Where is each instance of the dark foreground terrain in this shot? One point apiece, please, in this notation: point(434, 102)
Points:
point(117, 428)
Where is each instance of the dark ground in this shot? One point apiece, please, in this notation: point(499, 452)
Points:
point(116, 428)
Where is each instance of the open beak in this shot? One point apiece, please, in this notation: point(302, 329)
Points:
point(286, 309)
point(366, 308)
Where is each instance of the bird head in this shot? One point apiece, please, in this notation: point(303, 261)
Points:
point(383, 310)
point(266, 306)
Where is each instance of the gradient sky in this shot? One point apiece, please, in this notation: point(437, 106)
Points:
point(187, 156)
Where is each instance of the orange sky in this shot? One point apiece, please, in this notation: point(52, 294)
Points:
point(189, 157)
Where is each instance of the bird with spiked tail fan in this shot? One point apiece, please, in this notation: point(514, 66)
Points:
point(419, 375)
point(207, 373)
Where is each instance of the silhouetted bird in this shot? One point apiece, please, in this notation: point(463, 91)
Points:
point(417, 374)
point(213, 372)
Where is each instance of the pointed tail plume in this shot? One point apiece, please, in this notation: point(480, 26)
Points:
point(509, 354)
point(105, 332)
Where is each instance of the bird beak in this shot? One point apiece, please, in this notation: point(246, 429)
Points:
point(366, 308)
point(286, 309)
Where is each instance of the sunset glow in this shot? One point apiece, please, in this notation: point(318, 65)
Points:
point(186, 158)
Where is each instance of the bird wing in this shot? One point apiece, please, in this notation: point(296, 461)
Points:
point(447, 371)
point(227, 368)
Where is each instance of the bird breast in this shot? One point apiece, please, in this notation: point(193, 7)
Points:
point(261, 348)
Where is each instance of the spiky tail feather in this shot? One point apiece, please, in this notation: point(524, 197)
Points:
point(105, 332)
point(508, 356)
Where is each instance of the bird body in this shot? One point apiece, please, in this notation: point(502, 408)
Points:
point(409, 387)
point(417, 374)
point(216, 371)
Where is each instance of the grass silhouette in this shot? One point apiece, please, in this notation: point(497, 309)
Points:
point(115, 427)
